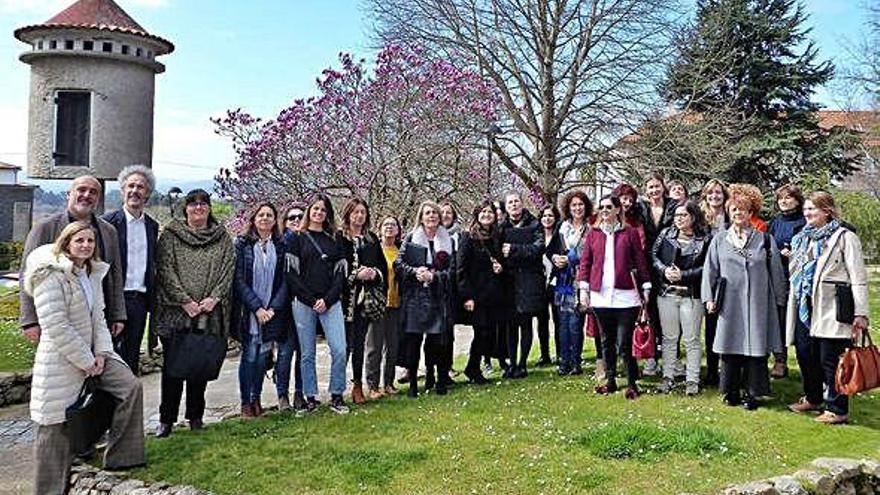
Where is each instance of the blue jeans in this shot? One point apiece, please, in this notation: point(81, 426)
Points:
point(333, 323)
point(252, 368)
point(571, 339)
point(286, 350)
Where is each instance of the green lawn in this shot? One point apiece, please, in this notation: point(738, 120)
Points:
point(544, 434)
point(16, 353)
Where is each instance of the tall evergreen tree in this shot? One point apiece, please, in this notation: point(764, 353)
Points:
point(751, 62)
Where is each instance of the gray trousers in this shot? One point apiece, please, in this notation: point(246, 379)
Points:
point(383, 338)
point(125, 442)
point(681, 317)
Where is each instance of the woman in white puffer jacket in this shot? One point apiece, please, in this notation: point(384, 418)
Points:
point(64, 279)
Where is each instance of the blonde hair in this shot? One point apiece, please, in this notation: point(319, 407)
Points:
point(62, 243)
point(426, 204)
point(704, 199)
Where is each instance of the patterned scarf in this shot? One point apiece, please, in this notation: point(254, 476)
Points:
point(804, 261)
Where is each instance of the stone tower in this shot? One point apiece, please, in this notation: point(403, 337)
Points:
point(93, 72)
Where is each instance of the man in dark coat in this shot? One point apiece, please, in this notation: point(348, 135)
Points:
point(137, 233)
point(82, 198)
point(522, 248)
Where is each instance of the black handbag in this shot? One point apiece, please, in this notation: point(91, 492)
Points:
point(89, 416)
point(718, 294)
point(844, 302)
point(195, 355)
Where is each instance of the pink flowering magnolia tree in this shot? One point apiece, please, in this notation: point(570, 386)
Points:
point(414, 129)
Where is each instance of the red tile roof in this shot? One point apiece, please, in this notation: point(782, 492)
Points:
point(96, 13)
point(105, 15)
point(862, 121)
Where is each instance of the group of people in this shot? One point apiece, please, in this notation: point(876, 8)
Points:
point(383, 298)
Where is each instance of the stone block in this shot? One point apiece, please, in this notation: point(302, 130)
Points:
point(788, 485)
point(840, 469)
point(753, 488)
point(816, 483)
point(126, 487)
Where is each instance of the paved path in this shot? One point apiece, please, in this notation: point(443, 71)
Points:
point(221, 399)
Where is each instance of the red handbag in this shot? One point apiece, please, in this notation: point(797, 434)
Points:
point(643, 346)
point(591, 326)
point(859, 368)
point(643, 337)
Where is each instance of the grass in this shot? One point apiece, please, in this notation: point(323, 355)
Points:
point(16, 353)
point(544, 434)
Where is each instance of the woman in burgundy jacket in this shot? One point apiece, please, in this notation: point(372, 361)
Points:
point(612, 256)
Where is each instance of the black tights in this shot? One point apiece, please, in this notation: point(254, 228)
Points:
point(519, 337)
point(617, 326)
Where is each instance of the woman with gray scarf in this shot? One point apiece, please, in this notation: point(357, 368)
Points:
point(261, 313)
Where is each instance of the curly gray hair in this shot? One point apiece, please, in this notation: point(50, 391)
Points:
point(137, 169)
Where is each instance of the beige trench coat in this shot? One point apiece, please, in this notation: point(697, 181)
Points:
point(841, 261)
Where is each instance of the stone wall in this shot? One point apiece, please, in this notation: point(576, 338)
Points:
point(87, 480)
point(827, 476)
point(15, 388)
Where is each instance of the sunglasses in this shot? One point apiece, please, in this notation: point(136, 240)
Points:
point(292, 218)
point(606, 207)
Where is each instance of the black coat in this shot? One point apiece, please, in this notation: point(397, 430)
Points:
point(667, 251)
point(477, 281)
point(523, 266)
point(652, 229)
point(424, 309)
point(118, 220)
point(369, 255)
point(245, 301)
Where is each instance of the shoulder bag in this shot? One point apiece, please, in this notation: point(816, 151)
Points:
point(859, 367)
point(195, 355)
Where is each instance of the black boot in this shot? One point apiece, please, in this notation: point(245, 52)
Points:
point(430, 381)
point(413, 383)
point(441, 383)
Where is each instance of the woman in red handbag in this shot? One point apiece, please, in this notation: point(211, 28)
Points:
point(827, 306)
point(611, 251)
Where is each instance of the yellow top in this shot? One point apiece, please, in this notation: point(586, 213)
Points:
point(393, 291)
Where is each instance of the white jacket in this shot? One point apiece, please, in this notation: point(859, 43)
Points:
point(842, 261)
point(71, 334)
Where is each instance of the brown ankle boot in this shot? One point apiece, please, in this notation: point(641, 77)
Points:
point(258, 408)
point(357, 394)
point(247, 411)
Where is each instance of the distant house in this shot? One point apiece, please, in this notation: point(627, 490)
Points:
point(867, 125)
point(16, 205)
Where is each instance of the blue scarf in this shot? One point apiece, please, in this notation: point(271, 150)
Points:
point(804, 268)
point(264, 276)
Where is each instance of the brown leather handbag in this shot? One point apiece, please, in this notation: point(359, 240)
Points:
point(859, 368)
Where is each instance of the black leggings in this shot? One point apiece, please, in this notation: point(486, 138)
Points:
point(711, 356)
point(480, 346)
point(617, 326)
point(743, 374)
point(549, 311)
point(356, 338)
point(519, 337)
point(433, 350)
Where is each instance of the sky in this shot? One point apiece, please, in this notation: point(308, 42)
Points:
point(259, 55)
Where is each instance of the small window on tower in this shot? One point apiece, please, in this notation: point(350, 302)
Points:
point(139, 52)
point(72, 128)
point(108, 47)
point(125, 49)
point(40, 45)
point(53, 45)
point(88, 45)
point(68, 44)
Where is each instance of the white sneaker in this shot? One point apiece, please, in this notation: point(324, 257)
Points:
point(650, 367)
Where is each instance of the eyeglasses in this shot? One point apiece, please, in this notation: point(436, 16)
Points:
point(293, 218)
point(682, 215)
point(197, 204)
point(606, 207)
